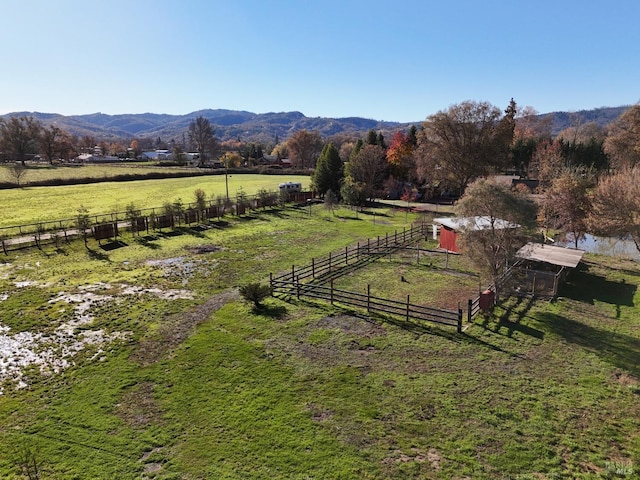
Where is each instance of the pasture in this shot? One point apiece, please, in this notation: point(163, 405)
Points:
point(32, 204)
point(142, 362)
point(39, 172)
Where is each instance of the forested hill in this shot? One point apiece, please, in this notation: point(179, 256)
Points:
point(228, 124)
point(262, 128)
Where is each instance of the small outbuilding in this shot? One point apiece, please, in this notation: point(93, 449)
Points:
point(540, 268)
point(450, 227)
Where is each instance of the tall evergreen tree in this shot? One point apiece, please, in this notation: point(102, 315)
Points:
point(329, 170)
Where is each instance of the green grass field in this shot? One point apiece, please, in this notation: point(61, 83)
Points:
point(46, 172)
point(188, 382)
point(32, 204)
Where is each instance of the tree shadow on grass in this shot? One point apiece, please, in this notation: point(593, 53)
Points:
point(271, 311)
point(620, 350)
point(97, 255)
point(148, 242)
point(589, 288)
point(107, 247)
point(512, 316)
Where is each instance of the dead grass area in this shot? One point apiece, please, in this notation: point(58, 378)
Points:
point(177, 328)
point(138, 407)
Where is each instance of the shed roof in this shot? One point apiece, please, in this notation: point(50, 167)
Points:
point(562, 256)
point(474, 223)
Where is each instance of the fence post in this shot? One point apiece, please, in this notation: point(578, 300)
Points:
point(346, 255)
point(4, 247)
point(408, 308)
point(358, 251)
point(368, 298)
point(470, 306)
point(298, 288)
point(459, 328)
point(271, 282)
point(331, 291)
point(293, 273)
point(313, 267)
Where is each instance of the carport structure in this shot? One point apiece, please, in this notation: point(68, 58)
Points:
point(540, 269)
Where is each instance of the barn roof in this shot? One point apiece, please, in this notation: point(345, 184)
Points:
point(561, 256)
point(474, 223)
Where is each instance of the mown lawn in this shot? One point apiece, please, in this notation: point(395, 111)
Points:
point(205, 387)
point(45, 172)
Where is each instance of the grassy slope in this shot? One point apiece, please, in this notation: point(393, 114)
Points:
point(31, 204)
point(543, 390)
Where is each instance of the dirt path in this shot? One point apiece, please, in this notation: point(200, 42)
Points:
point(177, 328)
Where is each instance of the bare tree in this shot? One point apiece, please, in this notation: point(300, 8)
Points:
point(493, 245)
point(202, 137)
point(566, 205)
point(466, 142)
point(51, 142)
point(19, 137)
point(623, 141)
point(615, 205)
point(304, 148)
point(18, 171)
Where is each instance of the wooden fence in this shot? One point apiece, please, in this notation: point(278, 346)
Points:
point(371, 304)
point(321, 272)
point(335, 265)
point(52, 231)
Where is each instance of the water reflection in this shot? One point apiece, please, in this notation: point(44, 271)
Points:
point(614, 247)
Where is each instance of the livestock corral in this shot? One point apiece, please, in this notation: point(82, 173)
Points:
point(142, 361)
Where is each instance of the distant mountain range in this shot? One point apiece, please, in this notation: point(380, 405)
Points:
point(259, 128)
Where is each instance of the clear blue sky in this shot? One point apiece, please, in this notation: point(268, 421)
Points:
point(385, 60)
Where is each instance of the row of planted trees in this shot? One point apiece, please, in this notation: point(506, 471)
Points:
point(178, 213)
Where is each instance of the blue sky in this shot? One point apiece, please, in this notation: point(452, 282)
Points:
point(396, 61)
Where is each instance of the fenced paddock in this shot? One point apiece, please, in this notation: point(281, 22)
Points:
point(315, 280)
point(406, 310)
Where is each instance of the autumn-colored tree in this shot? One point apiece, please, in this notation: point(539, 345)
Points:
point(135, 148)
point(231, 159)
point(345, 150)
point(615, 205)
point(547, 163)
point(529, 124)
point(400, 156)
point(19, 137)
point(329, 170)
point(202, 138)
point(280, 151)
point(567, 205)
point(463, 143)
point(304, 147)
point(622, 144)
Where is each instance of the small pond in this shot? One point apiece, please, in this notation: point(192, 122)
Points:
point(614, 247)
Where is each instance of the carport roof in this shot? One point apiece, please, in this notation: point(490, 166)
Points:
point(561, 256)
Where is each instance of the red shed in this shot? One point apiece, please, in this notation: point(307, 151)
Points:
point(451, 226)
